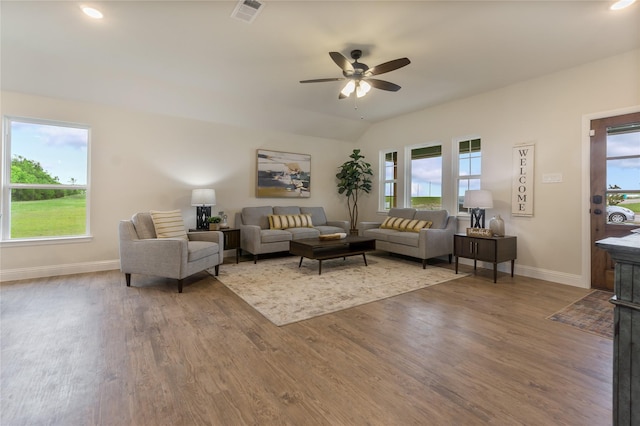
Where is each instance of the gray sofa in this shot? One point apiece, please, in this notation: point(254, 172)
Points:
point(257, 236)
point(423, 244)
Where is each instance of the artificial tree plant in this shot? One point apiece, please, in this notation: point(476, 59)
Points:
point(353, 180)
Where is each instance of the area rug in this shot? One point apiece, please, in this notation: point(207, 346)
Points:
point(593, 313)
point(285, 293)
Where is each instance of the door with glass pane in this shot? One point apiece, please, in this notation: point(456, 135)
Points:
point(615, 188)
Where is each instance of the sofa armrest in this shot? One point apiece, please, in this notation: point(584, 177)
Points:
point(210, 236)
point(344, 224)
point(250, 238)
point(157, 256)
point(363, 226)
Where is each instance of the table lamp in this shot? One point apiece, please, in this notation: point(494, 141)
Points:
point(203, 199)
point(477, 200)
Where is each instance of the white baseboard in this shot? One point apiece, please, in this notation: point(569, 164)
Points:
point(531, 272)
point(56, 270)
point(108, 265)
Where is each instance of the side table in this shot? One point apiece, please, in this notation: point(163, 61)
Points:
point(231, 239)
point(493, 249)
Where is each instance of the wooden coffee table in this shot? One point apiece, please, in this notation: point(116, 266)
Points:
point(314, 248)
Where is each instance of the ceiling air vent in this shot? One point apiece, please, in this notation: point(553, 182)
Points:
point(247, 10)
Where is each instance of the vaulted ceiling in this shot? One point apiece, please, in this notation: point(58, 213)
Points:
point(192, 59)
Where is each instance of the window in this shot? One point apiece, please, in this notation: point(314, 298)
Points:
point(45, 183)
point(390, 182)
point(425, 185)
point(623, 175)
point(469, 168)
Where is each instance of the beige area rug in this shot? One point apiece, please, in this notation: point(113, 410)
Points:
point(592, 313)
point(284, 293)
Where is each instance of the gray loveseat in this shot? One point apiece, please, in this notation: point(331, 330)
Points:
point(259, 236)
point(419, 242)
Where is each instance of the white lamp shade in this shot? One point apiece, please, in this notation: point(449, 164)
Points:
point(478, 199)
point(203, 197)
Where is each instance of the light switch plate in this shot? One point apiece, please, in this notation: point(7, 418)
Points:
point(552, 178)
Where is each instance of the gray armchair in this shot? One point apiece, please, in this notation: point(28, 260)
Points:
point(141, 252)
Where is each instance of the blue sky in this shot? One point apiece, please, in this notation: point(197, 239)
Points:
point(624, 172)
point(61, 151)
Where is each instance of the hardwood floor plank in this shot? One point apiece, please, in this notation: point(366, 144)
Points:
point(85, 349)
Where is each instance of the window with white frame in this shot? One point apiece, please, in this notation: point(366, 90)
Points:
point(45, 182)
point(389, 195)
point(469, 168)
point(424, 187)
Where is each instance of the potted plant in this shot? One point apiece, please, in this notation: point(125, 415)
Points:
point(353, 180)
point(214, 223)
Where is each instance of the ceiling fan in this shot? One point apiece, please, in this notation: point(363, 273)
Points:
point(359, 74)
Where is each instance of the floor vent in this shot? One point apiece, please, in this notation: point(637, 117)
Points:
point(247, 10)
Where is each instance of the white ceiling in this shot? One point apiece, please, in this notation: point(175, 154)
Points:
point(191, 59)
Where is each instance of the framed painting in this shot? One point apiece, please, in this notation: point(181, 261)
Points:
point(283, 175)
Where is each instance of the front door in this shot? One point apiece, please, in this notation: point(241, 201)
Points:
point(615, 188)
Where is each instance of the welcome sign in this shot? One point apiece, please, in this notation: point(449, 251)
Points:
point(522, 189)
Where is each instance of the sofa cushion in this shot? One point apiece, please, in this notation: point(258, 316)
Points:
point(403, 212)
point(438, 218)
point(318, 217)
point(281, 221)
point(274, 236)
point(168, 224)
point(200, 249)
point(328, 229)
point(379, 234)
point(286, 210)
point(302, 233)
point(404, 238)
point(257, 216)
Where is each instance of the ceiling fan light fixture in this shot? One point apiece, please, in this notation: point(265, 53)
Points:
point(349, 88)
point(621, 4)
point(362, 88)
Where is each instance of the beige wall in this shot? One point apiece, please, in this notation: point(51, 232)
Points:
point(143, 161)
point(548, 112)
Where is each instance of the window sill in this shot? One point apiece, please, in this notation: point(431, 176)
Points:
point(45, 241)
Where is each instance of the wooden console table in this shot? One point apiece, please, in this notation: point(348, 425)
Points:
point(626, 338)
point(492, 249)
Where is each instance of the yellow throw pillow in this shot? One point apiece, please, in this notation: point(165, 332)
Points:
point(416, 225)
point(392, 222)
point(284, 221)
point(168, 224)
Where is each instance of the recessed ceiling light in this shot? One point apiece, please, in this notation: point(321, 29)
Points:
point(91, 12)
point(621, 4)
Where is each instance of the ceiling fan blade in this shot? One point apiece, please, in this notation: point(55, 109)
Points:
point(389, 66)
point(342, 62)
point(321, 80)
point(381, 84)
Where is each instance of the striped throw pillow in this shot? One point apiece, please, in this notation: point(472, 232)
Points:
point(416, 225)
point(284, 221)
point(393, 223)
point(168, 224)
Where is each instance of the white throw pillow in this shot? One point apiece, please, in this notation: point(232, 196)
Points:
point(168, 224)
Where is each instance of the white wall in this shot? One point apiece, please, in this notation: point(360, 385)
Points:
point(143, 161)
point(547, 111)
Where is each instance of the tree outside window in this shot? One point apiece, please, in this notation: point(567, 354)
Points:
point(47, 180)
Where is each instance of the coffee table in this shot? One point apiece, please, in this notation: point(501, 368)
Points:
point(314, 248)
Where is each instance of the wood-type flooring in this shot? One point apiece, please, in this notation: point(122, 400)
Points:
point(86, 350)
